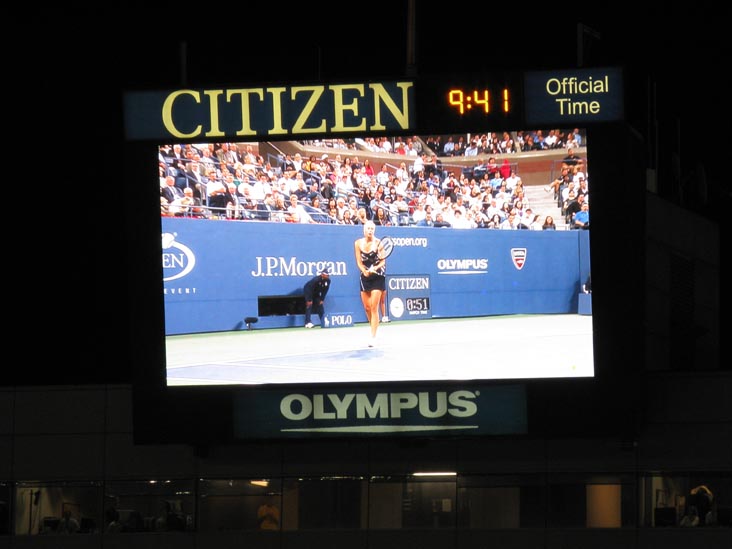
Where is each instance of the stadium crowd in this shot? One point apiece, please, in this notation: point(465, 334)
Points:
point(231, 181)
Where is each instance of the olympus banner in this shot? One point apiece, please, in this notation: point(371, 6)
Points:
point(418, 410)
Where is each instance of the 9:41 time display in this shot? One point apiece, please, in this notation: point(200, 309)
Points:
point(480, 99)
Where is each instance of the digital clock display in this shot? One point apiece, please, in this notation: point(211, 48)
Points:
point(482, 100)
point(467, 104)
point(417, 304)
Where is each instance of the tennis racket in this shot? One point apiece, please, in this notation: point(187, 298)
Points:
point(385, 248)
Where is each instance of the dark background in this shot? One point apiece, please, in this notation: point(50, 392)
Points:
point(66, 71)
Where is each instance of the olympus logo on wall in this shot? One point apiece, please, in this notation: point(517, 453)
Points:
point(408, 412)
point(382, 405)
point(477, 265)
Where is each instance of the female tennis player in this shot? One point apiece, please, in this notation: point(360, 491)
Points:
point(373, 279)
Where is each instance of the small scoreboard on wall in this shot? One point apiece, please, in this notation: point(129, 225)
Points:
point(408, 297)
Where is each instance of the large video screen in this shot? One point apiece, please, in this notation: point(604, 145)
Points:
point(273, 275)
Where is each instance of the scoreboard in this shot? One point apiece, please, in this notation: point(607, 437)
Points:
point(428, 104)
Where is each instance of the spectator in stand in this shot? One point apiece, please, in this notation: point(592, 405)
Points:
point(188, 205)
point(297, 211)
point(309, 169)
point(449, 147)
point(433, 167)
point(577, 137)
point(440, 221)
point(314, 192)
point(382, 178)
point(549, 224)
point(235, 203)
point(510, 222)
point(410, 149)
point(361, 216)
point(502, 194)
point(573, 207)
point(578, 172)
point(341, 206)
point(571, 197)
point(163, 173)
point(582, 187)
point(317, 213)
point(333, 211)
point(551, 140)
point(472, 149)
point(265, 208)
point(505, 169)
point(494, 222)
point(348, 218)
point(178, 160)
point(195, 179)
point(353, 205)
point(301, 188)
point(556, 185)
point(382, 217)
point(419, 210)
point(532, 143)
point(391, 209)
point(170, 191)
point(526, 218)
point(571, 159)
point(565, 191)
point(519, 208)
point(496, 182)
point(426, 221)
point(258, 188)
point(535, 224)
point(492, 208)
point(513, 181)
point(459, 147)
point(519, 141)
point(582, 217)
point(280, 214)
point(476, 216)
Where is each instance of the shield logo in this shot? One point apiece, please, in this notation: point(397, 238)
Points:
point(518, 256)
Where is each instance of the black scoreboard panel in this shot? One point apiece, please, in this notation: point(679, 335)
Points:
point(512, 100)
point(424, 105)
point(427, 104)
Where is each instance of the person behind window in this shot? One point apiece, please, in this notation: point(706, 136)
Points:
point(68, 524)
point(268, 517)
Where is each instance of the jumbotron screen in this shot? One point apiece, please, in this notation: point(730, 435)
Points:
point(488, 277)
point(283, 315)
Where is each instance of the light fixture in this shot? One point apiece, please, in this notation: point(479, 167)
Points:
point(435, 474)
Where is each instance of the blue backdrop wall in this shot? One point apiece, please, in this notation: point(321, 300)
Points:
point(214, 272)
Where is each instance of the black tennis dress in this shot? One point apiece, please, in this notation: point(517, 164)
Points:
point(375, 281)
